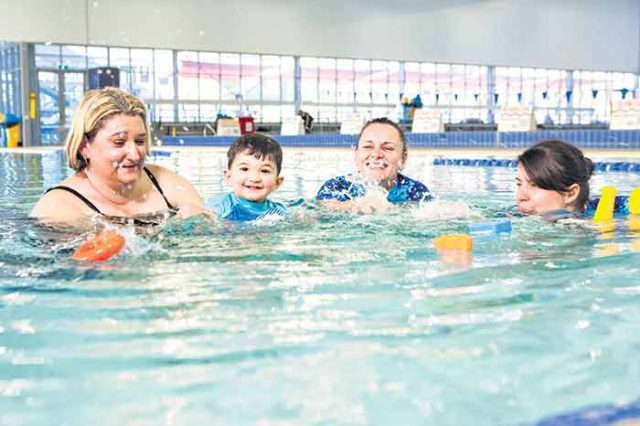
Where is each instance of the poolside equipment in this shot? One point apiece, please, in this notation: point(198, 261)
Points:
point(604, 211)
point(10, 130)
point(634, 201)
point(490, 228)
point(103, 246)
point(458, 242)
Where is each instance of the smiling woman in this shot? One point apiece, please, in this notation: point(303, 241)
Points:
point(552, 175)
point(107, 146)
point(379, 155)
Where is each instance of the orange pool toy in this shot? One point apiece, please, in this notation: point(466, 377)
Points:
point(103, 246)
point(460, 242)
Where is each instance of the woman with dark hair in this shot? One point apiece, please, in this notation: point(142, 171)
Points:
point(379, 156)
point(553, 175)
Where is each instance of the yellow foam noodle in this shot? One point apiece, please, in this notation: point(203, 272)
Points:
point(604, 211)
point(634, 201)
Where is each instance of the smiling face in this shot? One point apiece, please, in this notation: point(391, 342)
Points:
point(380, 154)
point(252, 178)
point(117, 152)
point(531, 199)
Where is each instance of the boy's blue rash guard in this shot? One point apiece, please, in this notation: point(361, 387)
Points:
point(406, 189)
point(620, 206)
point(232, 207)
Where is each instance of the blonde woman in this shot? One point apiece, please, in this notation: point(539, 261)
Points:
point(107, 146)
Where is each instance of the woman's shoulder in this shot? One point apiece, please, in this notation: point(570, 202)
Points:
point(175, 187)
point(62, 202)
point(161, 172)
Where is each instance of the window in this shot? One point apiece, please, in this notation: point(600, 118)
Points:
point(230, 76)
point(142, 79)
point(210, 75)
point(188, 76)
point(309, 79)
point(270, 74)
point(163, 62)
point(250, 78)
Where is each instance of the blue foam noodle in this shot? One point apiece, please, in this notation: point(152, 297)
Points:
point(489, 228)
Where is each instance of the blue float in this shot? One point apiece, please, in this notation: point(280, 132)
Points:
point(490, 228)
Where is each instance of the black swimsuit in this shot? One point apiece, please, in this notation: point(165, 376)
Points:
point(140, 220)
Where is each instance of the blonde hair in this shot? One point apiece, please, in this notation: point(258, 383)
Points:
point(94, 109)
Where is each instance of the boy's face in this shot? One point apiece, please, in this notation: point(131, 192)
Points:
point(252, 178)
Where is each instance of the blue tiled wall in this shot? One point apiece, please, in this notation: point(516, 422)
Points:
point(602, 139)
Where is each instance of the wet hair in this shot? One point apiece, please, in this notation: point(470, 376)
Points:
point(95, 108)
point(258, 145)
point(388, 122)
point(555, 165)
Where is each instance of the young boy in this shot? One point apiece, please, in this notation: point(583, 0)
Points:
point(253, 172)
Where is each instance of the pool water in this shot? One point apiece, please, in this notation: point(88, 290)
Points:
point(323, 318)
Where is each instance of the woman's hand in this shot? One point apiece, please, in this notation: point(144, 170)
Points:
point(373, 201)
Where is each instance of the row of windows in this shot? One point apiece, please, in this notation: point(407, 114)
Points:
point(9, 77)
point(196, 86)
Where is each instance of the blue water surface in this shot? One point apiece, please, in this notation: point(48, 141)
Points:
point(320, 318)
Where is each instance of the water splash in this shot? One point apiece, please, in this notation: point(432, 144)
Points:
point(438, 210)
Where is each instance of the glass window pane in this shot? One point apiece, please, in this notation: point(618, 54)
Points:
point(309, 79)
point(362, 82)
point(270, 78)
point(458, 86)
point(119, 58)
point(188, 112)
point(345, 87)
point(209, 76)
point(142, 73)
point(379, 82)
point(250, 78)
point(47, 56)
point(230, 73)
point(97, 57)
point(163, 74)
point(188, 75)
point(329, 114)
point(162, 112)
point(428, 84)
point(327, 80)
point(208, 112)
point(272, 114)
point(393, 76)
point(412, 80)
point(286, 69)
point(74, 57)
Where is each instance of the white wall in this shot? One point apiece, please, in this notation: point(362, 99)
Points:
point(569, 34)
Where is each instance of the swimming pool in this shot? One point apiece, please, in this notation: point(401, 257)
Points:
point(323, 319)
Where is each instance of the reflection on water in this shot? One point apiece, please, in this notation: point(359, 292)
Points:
point(325, 318)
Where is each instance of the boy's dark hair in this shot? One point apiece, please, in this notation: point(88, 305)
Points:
point(388, 122)
point(258, 145)
point(555, 165)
